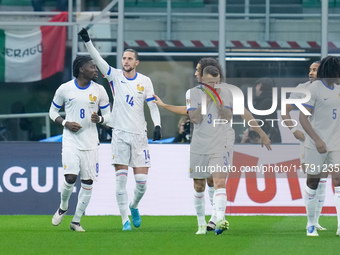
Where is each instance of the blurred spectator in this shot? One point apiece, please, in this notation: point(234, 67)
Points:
point(184, 135)
point(263, 101)
point(15, 129)
point(61, 5)
point(40, 102)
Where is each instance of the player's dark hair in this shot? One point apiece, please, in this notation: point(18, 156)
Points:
point(329, 70)
point(316, 62)
point(212, 70)
point(204, 62)
point(78, 63)
point(267, 83)
point(133, 51)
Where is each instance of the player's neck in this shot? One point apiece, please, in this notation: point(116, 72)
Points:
point(131, 74)
point(82, 82)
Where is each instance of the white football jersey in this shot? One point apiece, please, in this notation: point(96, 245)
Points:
point(129, 96)
point(210, 136)
point(325, 105)
point(80, 103)
point(300, 95)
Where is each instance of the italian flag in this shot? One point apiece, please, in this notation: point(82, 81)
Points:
point(35, 55)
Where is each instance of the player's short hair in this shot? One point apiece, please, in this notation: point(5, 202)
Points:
point(316, 62)
point(329, 69)
point(204, 62)
point(267, 83)
point(78, 63)
point(133, 51)
point(212, 70)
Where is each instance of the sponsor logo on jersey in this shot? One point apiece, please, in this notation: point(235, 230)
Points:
point(191, 170)
point(71, 99)
point(140, 89)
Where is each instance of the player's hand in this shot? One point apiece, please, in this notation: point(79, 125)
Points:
point(264, 140)
point(95, 118)
point(157, 133)
point(73, 126)
point(299, 135)
point(320, 146)
point(158, 101)
point(84, 35)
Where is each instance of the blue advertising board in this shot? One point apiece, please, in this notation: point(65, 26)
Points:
point(30, 177)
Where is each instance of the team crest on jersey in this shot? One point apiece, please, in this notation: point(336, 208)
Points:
point(93, 99)
point(140, 89)
point(188, 101)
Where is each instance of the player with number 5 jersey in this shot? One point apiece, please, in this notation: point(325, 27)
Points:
point(322, 145)
point(130, 90)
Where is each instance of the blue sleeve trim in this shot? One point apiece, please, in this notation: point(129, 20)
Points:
point(309, 106)
point(150, 99)
point(190, 109)
point(56, 105)
point(228, 107)
point(108, 73)
point(103, 107)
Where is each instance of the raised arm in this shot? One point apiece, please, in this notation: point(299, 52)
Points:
point(102, 65)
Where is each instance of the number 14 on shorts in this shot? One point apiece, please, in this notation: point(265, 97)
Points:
point(147, 156)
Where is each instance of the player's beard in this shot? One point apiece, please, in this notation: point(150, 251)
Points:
point(128, 70)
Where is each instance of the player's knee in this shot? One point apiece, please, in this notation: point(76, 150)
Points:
point(210, 182)
point(88, 182)
point(199, 185)
point(219, 183)
point(336, 181)
point(70, 178)
point(141, 181)
point(313, 183)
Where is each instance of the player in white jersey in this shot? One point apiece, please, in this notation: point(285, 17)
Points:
point(199, 185)
point(300, 134)
point(322, 145)
point(82, 98)
point(130, 90)
point(208, 147)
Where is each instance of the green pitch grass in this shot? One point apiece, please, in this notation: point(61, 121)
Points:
point(165, 235)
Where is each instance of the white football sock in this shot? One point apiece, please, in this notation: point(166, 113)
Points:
point(199, 202)
point(337, 203)
point(121, 194)
point(211, 191)
point(84, 197)
point(213, 213)
point(220, 199)
point(310, 203)
point(65, 194)
point(139, 189)
point(320, 198)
